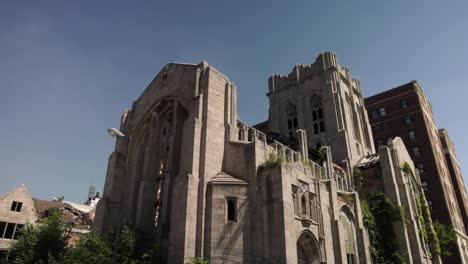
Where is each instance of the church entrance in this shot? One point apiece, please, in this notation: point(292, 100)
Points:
point(307, 249)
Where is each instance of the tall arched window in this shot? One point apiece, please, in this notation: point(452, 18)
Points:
point(292, 119)
point(317, 115)
point(349, 237)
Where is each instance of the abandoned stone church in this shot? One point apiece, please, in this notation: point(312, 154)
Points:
point(191, 177)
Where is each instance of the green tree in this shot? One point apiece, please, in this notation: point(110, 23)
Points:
point(43, 243)
point(47, 242)
point(447, 238)
point(90, 249)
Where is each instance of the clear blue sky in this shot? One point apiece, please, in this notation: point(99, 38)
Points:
point(69, 68)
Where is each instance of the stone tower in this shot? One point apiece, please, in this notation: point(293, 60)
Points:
point(323, 99)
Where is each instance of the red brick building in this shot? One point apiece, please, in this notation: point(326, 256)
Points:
point(405, 112)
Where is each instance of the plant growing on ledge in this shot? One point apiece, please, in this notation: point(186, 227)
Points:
point(274, 159)
point(406, 168)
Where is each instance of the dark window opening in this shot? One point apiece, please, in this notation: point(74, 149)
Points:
point(10, 230)
point(2, 228)
point(350, 258)
point(18, 231)
point(16, 206)
point(375, 114)
point(404, 104)
point(231, 209)
point(317, 115)
point(304, 205)
point(377, 128)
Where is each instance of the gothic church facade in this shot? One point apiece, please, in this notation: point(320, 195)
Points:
point(190, 176)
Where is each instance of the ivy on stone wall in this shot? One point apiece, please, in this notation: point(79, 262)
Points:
point(379, 212)
point(422, 223)
point(427, 231)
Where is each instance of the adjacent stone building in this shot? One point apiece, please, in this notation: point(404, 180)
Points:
point(191, 177)
point(406, 112)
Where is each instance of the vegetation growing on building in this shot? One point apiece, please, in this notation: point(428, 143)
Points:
point(274, 159)
point(379, 213)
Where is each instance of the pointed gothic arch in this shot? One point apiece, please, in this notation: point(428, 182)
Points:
point(292, 119)
point(347, 223)
point(308, 249)
point(318, 120)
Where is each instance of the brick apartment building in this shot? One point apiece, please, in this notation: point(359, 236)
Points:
point(405, 112)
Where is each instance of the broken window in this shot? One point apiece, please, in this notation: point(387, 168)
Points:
point(292, 119)
point(16, 206)
point(166, 134)
point(2, 228)
point(18, 231)
point(317, 115)
point(10, 231)
point(231, 208)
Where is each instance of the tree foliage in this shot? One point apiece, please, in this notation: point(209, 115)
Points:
point(43, 243)
point(47, 242)
point(447, 238)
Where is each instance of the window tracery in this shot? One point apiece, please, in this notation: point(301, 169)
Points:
point(166, 135)
point(317, 115)
point(292, 119)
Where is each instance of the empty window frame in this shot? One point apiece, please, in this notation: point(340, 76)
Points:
point(9, 231)
point(412, 135)
point(2, 229)
point(404, 104)
point(416, 151)
point(231, 208)
point(16, 206)
point(317, 114)
point(18, 231)
point(292, 119)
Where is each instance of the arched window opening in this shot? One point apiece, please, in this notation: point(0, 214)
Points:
point(308, 251)
point(317, 115)
point(292, 119)
point(347, 226)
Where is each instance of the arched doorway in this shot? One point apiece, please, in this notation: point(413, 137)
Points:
point(308, 251)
